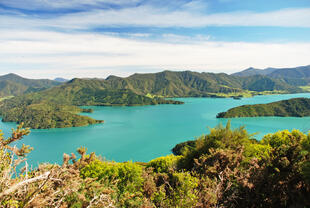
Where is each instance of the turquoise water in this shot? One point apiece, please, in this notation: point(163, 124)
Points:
point(144, 132)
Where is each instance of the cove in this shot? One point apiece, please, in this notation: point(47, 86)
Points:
point(142, 133)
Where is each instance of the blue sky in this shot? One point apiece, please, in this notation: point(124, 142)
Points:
point(96, 38)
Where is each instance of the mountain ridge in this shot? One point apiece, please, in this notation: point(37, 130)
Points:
point(12, 85)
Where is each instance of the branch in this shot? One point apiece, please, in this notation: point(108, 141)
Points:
point(25, 182)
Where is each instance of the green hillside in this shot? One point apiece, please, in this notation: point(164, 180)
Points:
point(194, 84)
point(57, 107)
point(296, 76)
point(296, 107)
point(94, 92)
point(12, 85)
point(296, 73)
point(252, 71)
point(45, 108)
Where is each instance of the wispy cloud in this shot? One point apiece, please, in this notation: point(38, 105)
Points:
point(62, 4)
point(63, 54)
point(64, 43)
point(146, 16)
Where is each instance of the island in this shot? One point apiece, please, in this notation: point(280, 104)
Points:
point(296, 107)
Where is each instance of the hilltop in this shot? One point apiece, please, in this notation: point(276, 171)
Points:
point(12, 85)
point(296, 76)
point(294, 72)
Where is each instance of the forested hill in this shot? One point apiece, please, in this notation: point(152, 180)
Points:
point(94, 92)
point(297, 76)
point(295, 72)
point(194, 84)
point(296, 107)
point(12, 85)
point(139, 89)
point(253, 71)
point(57, 107)
point(162, 84)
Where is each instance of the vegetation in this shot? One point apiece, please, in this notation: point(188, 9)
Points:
point(57, 107)
point(226, 168)
point(193, 84)
point(296, 107)
point(50, 108)
point(43, 115)
point(12, 85)
point(298, 76)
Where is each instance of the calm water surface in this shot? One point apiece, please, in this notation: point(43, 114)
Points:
point(144, 132)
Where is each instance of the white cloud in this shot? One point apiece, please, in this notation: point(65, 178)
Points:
point(154, 17)
point(88, 55)
point(61, 4)
point(149, 16)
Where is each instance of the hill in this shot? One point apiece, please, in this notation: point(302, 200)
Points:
point(94, 92)
point(261, 83)
point(45, 115)
point(138, 89)
point(296, 107)
point(12, 85)
point(297, 76)
point(194, 84)
point(57, 107)
point(301, 72)
point(253, 71)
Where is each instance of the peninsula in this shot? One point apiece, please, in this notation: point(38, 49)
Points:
point(296, 107)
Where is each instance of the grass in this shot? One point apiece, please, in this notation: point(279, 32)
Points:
point(247, 93)
point(4, 98)
point(306, 88)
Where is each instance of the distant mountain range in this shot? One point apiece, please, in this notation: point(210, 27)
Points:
point(12, 85)
point(301, 72)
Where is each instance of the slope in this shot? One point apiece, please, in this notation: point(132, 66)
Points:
point(296, 107)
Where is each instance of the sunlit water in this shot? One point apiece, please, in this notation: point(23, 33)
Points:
point(144, 132)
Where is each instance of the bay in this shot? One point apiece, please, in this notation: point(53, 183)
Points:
point(142, 133)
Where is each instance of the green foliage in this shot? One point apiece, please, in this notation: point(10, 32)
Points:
point(43, 115)
point(220, 137)
point(180, 191)
point(181, 147)
point(127, 177)
point(296, 107)
point(164, 164)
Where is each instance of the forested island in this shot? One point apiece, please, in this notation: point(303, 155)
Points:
point(225, 168)
point(296, 107)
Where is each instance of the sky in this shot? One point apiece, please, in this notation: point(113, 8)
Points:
point(98, 38)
